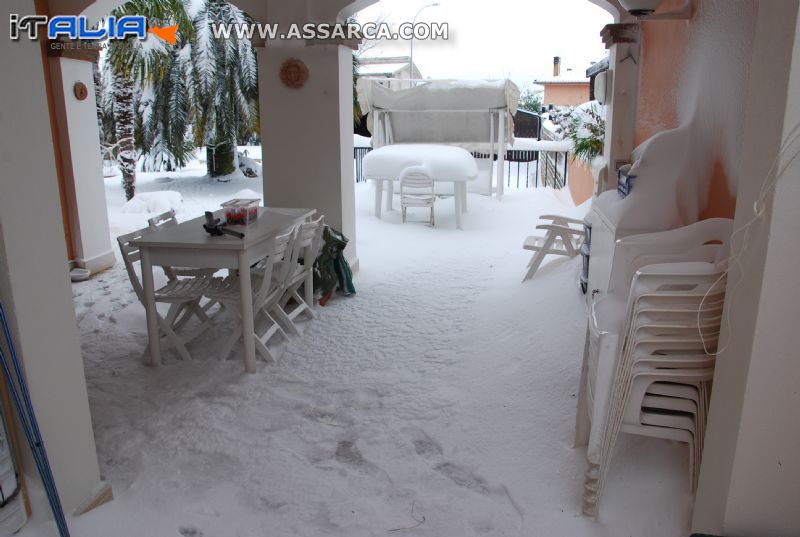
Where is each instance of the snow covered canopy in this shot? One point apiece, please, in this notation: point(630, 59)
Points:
point(465, 113)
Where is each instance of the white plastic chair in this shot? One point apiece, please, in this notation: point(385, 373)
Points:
point(182, 294)
point(416, 190)
point(268, 288)
point(621, 371)
point(564, 237)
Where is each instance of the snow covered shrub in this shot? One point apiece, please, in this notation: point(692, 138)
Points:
point(586, 128)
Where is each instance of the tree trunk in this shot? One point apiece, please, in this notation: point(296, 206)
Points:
point(221, 159)
point(98, 99)
point(123, 120)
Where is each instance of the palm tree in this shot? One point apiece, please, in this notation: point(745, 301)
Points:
point(226, 86)
point(168, 100)
point(135, 63)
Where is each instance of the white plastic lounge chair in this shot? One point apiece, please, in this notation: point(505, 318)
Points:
point(564, 237)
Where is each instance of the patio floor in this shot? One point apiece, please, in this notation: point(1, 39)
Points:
point(437, 401)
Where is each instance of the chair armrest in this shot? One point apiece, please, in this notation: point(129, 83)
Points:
point(562, 229)
point(561, 219)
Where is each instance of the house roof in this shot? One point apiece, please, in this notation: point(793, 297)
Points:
point(572, 78)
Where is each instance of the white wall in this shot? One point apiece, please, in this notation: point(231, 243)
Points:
point(750, 476)
point(765, 481)
point(83, 167)
point(34, 284)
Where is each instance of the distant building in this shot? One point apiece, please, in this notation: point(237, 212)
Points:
point(395, 69)
point(568, 88)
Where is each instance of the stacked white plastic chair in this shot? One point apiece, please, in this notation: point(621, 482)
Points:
point(650, 351)
point(564, 237)
point(416, 190)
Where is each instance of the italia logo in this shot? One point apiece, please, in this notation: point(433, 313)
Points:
point(73, 27)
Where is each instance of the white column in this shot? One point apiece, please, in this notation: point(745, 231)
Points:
point(34, 285)
point(750, 471)
point(307, 134)
point(83, 167)
point(621, 108)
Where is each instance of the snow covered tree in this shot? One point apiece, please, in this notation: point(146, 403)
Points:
point(134, 64)
point(200, 91)
point(226, 85)
point(530, 101)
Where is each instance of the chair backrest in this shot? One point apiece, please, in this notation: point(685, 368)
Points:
point(676, 245)
point(309, 240)
point(163, 220)
point(416, 181)
point(130, 256)
point(275, 280)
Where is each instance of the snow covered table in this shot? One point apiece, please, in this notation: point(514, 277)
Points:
point(188, 245)
point(444, 163)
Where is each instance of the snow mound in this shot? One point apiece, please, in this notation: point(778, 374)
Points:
point(247, 194)
point(361, 141)
point(153, 202)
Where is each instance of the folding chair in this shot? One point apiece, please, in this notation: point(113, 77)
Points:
point(166, 220)
point(563, 237)
point(269, 287)
point(182, 294)
point(307, 246)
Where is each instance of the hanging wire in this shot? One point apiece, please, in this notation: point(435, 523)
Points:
point(759, 211)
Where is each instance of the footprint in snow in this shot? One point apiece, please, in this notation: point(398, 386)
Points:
point(347, 453)
point(190, 531)
point(463, 477)
point(425, 446)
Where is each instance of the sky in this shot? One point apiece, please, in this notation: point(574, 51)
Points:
point(493, 39)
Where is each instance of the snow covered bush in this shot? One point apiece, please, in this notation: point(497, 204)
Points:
point(586, 127)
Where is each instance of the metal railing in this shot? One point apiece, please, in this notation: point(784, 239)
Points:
point(551, 167)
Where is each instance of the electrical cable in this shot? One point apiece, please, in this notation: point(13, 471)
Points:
point(759, 211)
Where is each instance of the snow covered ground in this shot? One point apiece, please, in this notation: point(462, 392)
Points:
point(438, 401)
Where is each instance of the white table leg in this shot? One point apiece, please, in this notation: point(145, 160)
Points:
point(148, 287)
point(389, 195)
point(248, 328)
point(378, 195)
point(463, 196)
point(458, 194)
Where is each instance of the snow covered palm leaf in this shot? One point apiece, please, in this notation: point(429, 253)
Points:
point(226, 82)
point(167, 116)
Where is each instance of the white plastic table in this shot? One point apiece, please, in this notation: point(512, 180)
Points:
point(445, 163)
point(188, 245)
